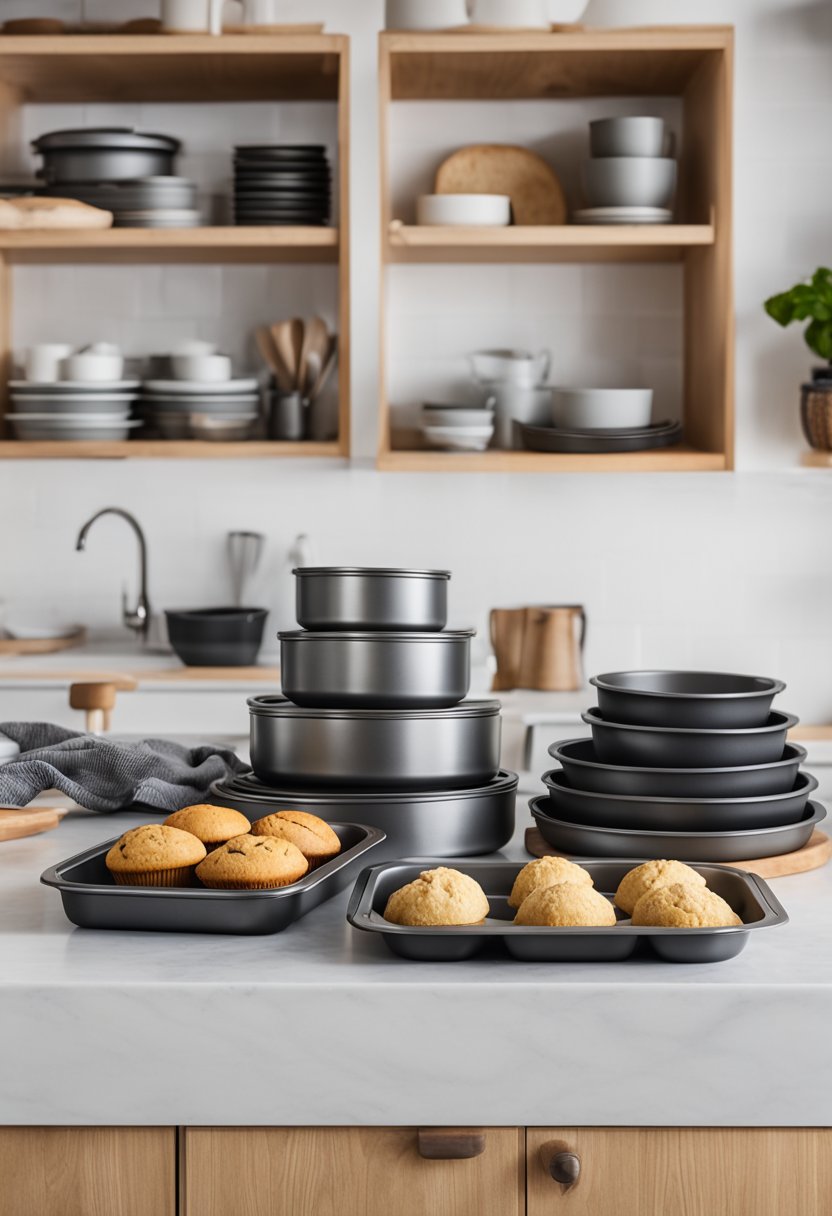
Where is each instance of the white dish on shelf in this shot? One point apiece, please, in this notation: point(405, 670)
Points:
point(623, 215)
point(512, 14)
point(58, 406)
point(71, 426)
point(63, 388)
point(178, 388)
point(456, 415)
point(38, 632)
point(589, 409)
point(463, 210)
point(459, 438)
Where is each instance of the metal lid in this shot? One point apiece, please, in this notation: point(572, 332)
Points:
point(272, 705)
point(106, 137)
point(440, 635)
point(246, 788)
point(371, 571)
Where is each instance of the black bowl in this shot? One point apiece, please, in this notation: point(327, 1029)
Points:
point(217, 637)
point(699, 700)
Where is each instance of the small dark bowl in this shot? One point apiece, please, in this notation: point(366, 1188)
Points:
point(217, 637)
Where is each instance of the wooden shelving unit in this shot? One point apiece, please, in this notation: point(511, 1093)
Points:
point(184, 68)
point(692, 63)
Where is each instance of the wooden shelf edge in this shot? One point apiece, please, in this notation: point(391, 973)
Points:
point(163, 449)
point(816, 459)
point(664, 460)
point(61, 45)
point(230, 243)
point(656, 37)
point(412, 243)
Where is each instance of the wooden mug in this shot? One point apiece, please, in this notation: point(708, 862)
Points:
point(537, 647)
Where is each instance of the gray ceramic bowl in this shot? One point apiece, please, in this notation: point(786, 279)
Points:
point(631, 136)
point(630, 181)
point(585, 409)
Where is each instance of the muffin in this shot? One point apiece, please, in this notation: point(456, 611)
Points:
point(313, 836)
point(213, 825)
point(650, 875)
point(546, 872)
point(680, 906)
point(438, 897)
point(154, 855)
point(252, 863)
point(566, 904)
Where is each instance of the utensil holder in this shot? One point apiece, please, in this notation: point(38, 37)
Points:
point(288, 416)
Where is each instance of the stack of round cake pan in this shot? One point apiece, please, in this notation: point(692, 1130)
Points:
point(373, 724)
point(689, 765)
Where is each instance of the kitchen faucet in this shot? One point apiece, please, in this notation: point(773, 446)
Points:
point(138, 618)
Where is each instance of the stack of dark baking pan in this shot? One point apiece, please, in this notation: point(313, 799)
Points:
point(373, 726)
point(282, 184)
point(689, 765)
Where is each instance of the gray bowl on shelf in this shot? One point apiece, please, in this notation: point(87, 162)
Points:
point(630, 181)
point(708, 700)
point(683, 747)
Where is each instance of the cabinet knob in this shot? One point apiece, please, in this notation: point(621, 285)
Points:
point(560, 1163)
point(450, 1144)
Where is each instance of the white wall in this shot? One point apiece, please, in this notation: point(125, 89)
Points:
point(710, 570)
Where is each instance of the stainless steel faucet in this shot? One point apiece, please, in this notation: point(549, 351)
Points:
point(138, 618)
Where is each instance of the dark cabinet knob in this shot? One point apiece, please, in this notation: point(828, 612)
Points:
point(565, 1168)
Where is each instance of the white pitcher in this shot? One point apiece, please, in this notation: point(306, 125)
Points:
point(192, 16)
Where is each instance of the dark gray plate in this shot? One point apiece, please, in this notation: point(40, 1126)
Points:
point(681, 747)
point(584, 840)
point(585, 772)
point(748, 895)
point(300, 221)
point(706, 700)
point(550, 439)
point(281, 151)
point(93, 900)
point(676, 814)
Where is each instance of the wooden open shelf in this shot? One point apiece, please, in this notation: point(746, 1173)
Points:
point(815, 459)
point(120, 68)
point(693, 63)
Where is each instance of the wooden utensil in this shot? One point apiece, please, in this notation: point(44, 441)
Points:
point(312, 355)
point(271, 356)
point(288, 340)
point(16, 821)
point(534, 188)
point(330, 359)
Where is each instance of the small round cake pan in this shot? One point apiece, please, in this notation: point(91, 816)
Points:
point(585, 772)
point(677, 814)
point(583, 840)
point(357, 597)
point(683, 747)
point(376, 670)
point(387, 749)
point(705, 700)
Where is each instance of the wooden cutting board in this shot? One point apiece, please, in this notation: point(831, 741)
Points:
point(28, 821)
point(812, 856)
point(13, 646)
point(533, 186)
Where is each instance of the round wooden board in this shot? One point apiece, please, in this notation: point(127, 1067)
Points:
point(812, 856)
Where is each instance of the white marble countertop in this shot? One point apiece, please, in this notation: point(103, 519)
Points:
point(320, 1025)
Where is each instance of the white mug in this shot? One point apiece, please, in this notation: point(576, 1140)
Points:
point(258, 12)
point(41, 363)
point(518, 13)
point(192, 16)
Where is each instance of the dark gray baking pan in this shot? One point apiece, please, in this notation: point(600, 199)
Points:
point(750, 897)
point(751, 844)
point(381, 749)
point(706, 700)
point(676, 814)
point(682, 747)
point(551, 439)
point(93, 900)
point(457, 823)
point(366, 670)
point(585, 772)
point(376, 598)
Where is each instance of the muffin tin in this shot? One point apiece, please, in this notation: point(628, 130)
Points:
point(92, 899)
point(748, 895)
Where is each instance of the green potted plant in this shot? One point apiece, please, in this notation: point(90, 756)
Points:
point(812, 301)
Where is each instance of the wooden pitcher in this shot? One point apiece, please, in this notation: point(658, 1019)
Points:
point(539, 647)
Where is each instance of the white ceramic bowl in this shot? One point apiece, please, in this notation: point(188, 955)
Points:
point(207, 369)
point(425, 14)
point(459, 438)
point(589, 409)
point(627, 136)
point(524, 14)
point(456, 210)
point(92, 365)
point(520, 367)
point(456, 415)
point(630, 181)
point(42, 363)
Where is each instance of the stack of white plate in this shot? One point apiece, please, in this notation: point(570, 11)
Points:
point(457, 428)
point(188, 409)
point(72, 409)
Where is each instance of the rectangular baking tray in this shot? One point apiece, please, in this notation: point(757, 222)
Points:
point(92, 899)
point(750, 897)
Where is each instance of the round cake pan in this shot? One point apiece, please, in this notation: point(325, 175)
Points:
point(707, 700)
point(682, 747)
point(355, 597)
point(445, 823)
point(582, 840)
point(677, 814)
point(374, 748)
point(585, 772)
point(376, 670)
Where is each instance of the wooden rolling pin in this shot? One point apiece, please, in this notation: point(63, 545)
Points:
point(17, 821)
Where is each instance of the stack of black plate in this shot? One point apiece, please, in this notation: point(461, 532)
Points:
point(282, 184)
point(685, 765)
point(608, 439)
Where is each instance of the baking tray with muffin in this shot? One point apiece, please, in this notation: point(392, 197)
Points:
point(557, 911)
point(206, 869)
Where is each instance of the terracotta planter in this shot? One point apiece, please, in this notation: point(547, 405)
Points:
point(816, 414)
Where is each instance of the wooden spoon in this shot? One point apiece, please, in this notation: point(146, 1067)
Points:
point(330, 359)
point(288, 340)
point(271, 356)
point(313, 354)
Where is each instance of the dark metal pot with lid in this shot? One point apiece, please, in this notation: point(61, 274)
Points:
point(375, 598)
point(101, 154)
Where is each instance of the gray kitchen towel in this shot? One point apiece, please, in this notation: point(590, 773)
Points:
point(104, 775)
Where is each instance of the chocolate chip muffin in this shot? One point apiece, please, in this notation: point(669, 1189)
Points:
point(155, 855)
point(313, 836)
point(213, 825)
point(252, 863)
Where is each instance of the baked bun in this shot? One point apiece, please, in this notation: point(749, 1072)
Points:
point(566, 904)
point(252, 863)
point(546, 872)
point(680, 906)
point(213, 825)
point(650, 875)
point(313, 836)
point(154, 855)
point(438, 897)
point(40, 213)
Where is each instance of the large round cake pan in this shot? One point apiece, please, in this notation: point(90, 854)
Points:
point(707, 700)
point(376, 670)
point(582, 840)
point(677, 814)
point(357, 597)
point(585, 772)
point(681, 747)
point(442, 823)
point(387, 749)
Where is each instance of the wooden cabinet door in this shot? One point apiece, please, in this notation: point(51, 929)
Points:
point(347, 1172)
point(87, 1171)
point(681, 1172)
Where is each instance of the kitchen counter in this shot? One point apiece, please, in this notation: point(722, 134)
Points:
point(320, 1025)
